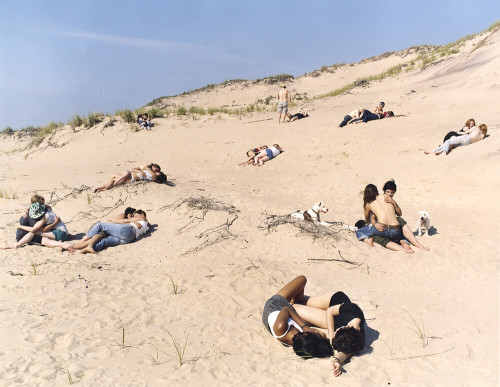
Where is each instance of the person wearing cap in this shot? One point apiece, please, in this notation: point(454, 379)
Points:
point(33, 228)
point(283, 100)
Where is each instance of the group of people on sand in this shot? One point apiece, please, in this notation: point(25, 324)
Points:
point(41, 226)
point(151, 172)
point(290, 316)
point(364, 115)
point(469, 134)
point(258, 156)
point(383, 222)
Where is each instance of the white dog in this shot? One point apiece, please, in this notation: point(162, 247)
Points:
point(312, 215)
point(424, 222)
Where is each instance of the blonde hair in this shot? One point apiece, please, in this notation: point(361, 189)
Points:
point(37, 198)
point(483, 129)
point(467, 123)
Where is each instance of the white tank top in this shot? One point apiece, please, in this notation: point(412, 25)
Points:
point(140, 231)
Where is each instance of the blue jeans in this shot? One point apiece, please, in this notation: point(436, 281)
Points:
point(346, 120)
point(393, 234)
point(365, 232)
point(117, 234)
point(369, 116)
point(455, 141)
point(145, 124)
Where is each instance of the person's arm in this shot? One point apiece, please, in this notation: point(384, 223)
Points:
point(289, 98)
point(52, 225)
point(398, 210)
point(331, 312)
point(281, 324)
point(38, 226)
point(468, 131)
point(338, 359)
point(135, 218)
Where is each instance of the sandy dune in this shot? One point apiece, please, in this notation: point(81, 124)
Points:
point(72, 314)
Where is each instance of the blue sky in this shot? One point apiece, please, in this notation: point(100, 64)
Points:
point(61, 57)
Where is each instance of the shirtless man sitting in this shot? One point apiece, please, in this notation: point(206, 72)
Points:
point(283, 99)
point(385, 212)
point(389, 192)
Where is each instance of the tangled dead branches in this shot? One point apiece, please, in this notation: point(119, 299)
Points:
point(315, 230)
point(213, 235)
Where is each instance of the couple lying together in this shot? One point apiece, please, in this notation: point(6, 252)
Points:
point(40, 225)
point(258, 156)
point(383, 222)
point(151, 172)
point(289, 316)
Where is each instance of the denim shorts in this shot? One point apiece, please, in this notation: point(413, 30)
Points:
point(269, 153)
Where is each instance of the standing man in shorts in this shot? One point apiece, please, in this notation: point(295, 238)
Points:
point(283, 100)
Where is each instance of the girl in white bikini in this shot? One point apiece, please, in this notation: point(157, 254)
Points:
point(151, 172)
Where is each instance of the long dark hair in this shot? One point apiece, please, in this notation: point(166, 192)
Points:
point(310, 344)
point(371, 193)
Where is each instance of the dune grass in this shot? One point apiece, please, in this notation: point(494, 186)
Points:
point(8, 194)
point(179, 349)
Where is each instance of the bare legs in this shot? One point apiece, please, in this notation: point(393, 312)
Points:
point(411, 238)
point(114, 181)
point(405, 247)
point(261, 158)
point(25, 240)
point(294, 290)
point(86, 245)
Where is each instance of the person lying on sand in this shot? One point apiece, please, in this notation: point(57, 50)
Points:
point(369, 116)
point(297, 116)
point(112, 233)
point(267, 154)
point(251, 155)
point(352, 117)
point(382, 206)
point(151, 172)
point(367, 236)
point(40, 225)
point(467, 137)
point(291, 324)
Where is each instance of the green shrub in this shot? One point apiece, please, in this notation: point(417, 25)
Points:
point(127, 115)
point(197, 110)
point(8, 131)
point(154, 113)
point(181, 111)
point(76, 121)
point(93, 119)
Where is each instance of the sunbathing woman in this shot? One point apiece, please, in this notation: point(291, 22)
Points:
point(151, 172)
point(466, 137)
point(251, 155)
point(290, 324)
point(267, 154)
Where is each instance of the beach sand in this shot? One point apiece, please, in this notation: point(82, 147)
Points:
point(203, 278)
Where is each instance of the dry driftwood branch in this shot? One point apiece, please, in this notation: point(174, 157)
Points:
point(214, 235)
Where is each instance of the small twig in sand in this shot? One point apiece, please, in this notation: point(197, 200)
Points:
point(417, 356)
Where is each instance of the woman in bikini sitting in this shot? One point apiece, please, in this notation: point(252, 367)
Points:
point(151, 172)
point(335, 312)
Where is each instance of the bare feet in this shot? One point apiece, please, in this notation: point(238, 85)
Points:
point(87, 250)
point(428, 152)
point(407, 248)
